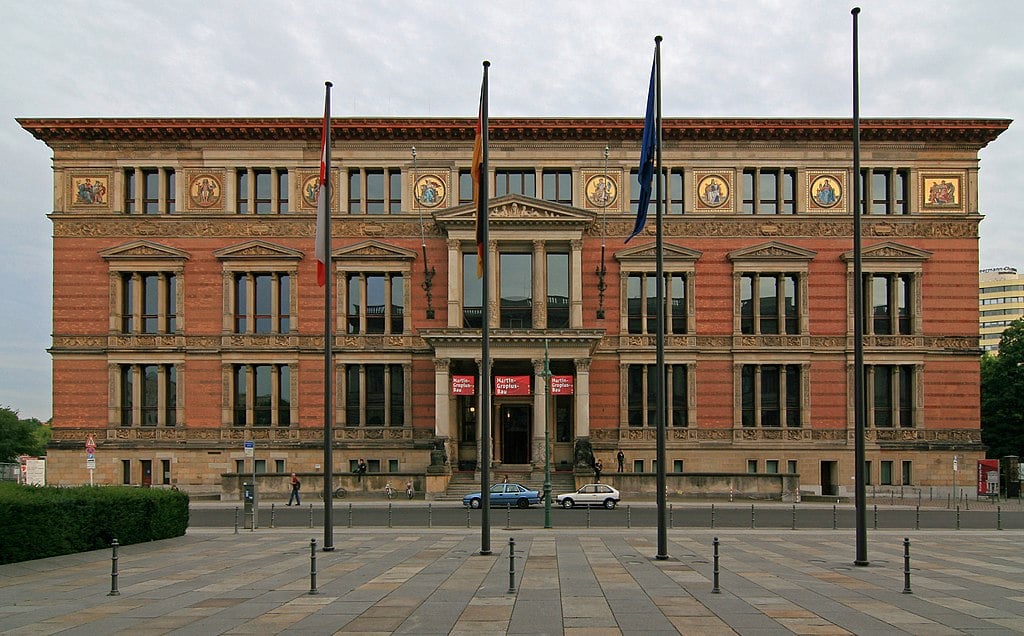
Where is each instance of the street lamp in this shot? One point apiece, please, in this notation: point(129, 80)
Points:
point(547, 428)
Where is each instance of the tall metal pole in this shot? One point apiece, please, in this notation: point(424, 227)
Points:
point(547, 428)
point(328, 340)
point(858, 323)
point(660, 323)
point(485, 351)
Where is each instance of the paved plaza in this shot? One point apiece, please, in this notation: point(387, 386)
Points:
point(592, 581)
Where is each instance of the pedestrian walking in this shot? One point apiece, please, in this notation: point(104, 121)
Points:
point(389, 491)
point(296, 484)
point(597, 471)
point(408, 489)
point(621, 460)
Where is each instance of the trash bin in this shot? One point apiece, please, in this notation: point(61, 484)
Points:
point(249, 506)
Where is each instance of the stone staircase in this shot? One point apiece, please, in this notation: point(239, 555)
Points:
point(464, 483)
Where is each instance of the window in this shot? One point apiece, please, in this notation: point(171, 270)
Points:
point(768, 303)
point(472, 294)
point(165, 471)
point(374, 395)
point(791, 467)
point(392, 465)
point(558, 186)
point(752, 466)
point(887, 303)
point(771, 395)
point(768, 191)
point(515, 182)
point(261, 395)
point(677, 465)
point(375, 191)
point(126, 472)
point(558, 290)
point(642, 303)
point(515, 290)
point(154, 188)
point(907, 472)
point(148, 394)
point(634, 191)
point(468, 406)
point(261, 190)
point(890, 391)
point(239, 466)
point(883, 191)
point(261, 466)
point(771, 466)
point(886, 476)
point(373, 466)
point(374, 302)
point(638, 465)
point(867, 473)
point(465, 186)
point(675, 191)
point(148, 302)
point(279, 466)
point(262, 302)
point(641, 395)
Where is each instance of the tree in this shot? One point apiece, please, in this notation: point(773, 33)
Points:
point(18, 436)
point(1002, 395)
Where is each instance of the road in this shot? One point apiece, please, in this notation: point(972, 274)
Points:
point(420, 514)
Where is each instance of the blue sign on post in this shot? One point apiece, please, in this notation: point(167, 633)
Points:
point(250, 446)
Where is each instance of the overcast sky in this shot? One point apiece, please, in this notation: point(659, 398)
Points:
point(106, 58)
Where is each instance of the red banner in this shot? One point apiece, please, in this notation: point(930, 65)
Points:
point(561, 385)
point(463, 385)
point(511, 385)
point(988, 477)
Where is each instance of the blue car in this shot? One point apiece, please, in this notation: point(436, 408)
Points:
point(505, 495)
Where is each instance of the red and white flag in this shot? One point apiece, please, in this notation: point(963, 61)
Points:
point(323, 201)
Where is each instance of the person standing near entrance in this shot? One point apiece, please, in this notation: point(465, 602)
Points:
point(296, 484)
point(621, 459)
point(597, 471)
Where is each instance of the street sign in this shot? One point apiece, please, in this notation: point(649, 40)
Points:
point(90, 444)
point(90, 462)
point(250, 447)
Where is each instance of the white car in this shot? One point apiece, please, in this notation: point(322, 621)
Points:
point(590, 495)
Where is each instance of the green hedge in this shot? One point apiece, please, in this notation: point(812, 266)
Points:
point(47, 521)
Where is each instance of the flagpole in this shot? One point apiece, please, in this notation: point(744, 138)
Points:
point(660, 323)
point(858, 323)
point(485, 351)
point(328, 340)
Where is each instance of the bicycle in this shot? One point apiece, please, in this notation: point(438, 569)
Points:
point(389, 492)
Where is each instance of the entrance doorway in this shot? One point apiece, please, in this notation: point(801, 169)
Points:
point(829, 487)
point(514, 431)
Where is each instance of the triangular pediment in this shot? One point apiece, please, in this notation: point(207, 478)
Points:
point(889, 251)
point(516, 210)
point(144, 250)
point(772, 251)
point(648, 252)
point(258, 249)
point(373, 250)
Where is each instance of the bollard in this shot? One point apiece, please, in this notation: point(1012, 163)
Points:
point(430, 517)
point(670, 516)
point(999, 517)
point(113, 571)
point(312, 567)
point(271, 515)
point(628, 520)
point(350, 514)
point(715, 589)
point(794, 517)
point(236, 519)
point(311, 515)
point(752, 515)
point(508, 517)
point(588, 516)
point(958, 516)
point(906, 566)
point(892, 497)
point(467, 516)
point(876, 516)
point(712, 516)
point(511, 565)
point(834, 516)
point(967, 502)
point(919, 496)
point(917, 518)
point(389, 514)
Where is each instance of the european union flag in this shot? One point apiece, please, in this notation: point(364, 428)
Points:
point(647, 152)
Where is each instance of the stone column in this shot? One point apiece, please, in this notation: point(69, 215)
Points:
point(540, 413)
point(455, 276)
point(442, 400)
point(582, 398)
point(576, 285)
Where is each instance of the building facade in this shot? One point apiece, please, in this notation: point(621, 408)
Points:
point(1000, 302)
point(187, 318)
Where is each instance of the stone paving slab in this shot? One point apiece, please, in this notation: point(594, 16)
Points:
point(594, 581)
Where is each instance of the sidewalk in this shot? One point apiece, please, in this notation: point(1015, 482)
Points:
point(422, 581)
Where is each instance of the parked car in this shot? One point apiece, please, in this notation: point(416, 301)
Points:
point(591, 495)
point(505, 495)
